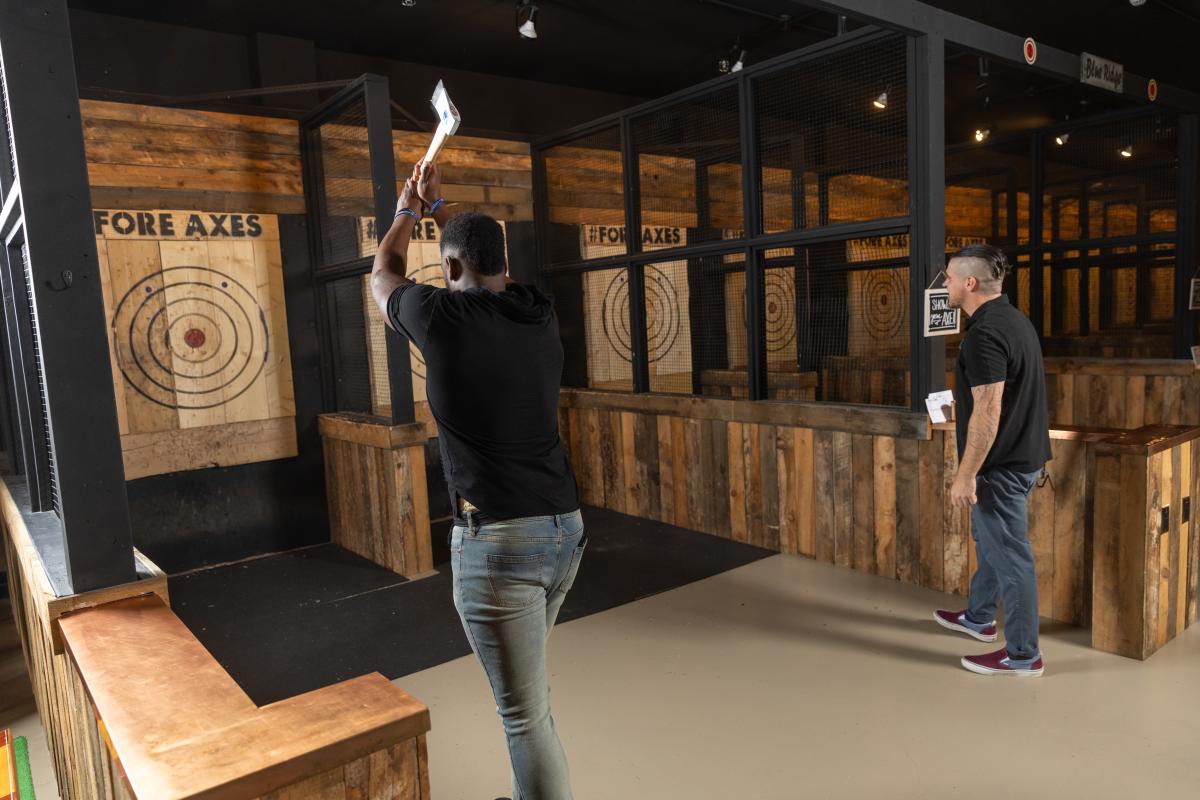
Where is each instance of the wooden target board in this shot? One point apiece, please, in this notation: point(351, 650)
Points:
point(198, 338)
point(606, 300)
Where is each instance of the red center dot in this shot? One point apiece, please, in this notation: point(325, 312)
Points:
point(771, 307)
point(194, 337)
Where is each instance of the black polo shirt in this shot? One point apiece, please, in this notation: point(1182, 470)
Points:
point(493, 367)
point(1001, 344)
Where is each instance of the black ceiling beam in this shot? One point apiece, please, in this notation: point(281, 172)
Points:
point(916, 18)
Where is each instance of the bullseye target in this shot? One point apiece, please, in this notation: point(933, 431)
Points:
point(663, 318)
point(882, 304)
point(190, 337)
point(780, 308)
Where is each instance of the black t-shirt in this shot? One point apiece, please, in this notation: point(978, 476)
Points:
point(1001, 344)
point(493, 366)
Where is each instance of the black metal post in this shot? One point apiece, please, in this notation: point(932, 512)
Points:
point(383, 186)
point(756, 321)
point(927, 204)
point(1187, 262)
point(633, 245)
point(1037, 286)
point(56, 248)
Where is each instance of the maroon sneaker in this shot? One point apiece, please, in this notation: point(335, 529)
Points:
point(997, 663)
point(957, 621)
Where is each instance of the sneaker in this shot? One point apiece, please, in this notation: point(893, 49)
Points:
point(998, 663)
point(957, 621)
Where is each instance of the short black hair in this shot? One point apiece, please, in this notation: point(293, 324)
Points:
point(477, 241)
point(991, 255)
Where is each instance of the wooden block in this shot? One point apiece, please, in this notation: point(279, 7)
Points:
point(1072, 524)
point(884, 503)
point(666, 470)
point(752, 455)
point(629, 462)
point(738, 503)
point(770, 486)
point(1135, 402)
point(161, 452)
point(1177, 558)
point(862, 553)
point(908, 510)
point(956, 539)
point(805, 491)
point(717, 455)
point(930, 455)
point(824, 500)
point(680, 466)
point(843, 499)
point(789, 496)
point(1158, 585)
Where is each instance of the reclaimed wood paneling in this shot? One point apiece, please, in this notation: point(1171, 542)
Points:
point(376, 492)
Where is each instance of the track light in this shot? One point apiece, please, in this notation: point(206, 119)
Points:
point(1127, 151)
point(1062, 139)
point(881, 101)
point(527, 29)
point(741, 61)
point(1137, 3)
point(982, 133)
point(408, 3)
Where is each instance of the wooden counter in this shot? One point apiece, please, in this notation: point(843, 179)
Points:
point(867, 487)
point(376, 491)
point(177, 726)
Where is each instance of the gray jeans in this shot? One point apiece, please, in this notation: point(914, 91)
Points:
point(1000, 527)
point(510, 580)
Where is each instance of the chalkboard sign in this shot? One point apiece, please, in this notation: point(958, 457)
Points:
point(940, 318)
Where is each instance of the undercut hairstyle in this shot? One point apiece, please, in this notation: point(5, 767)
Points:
point(987, 264)
point(477, 241)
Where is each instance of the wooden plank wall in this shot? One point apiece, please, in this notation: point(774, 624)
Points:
point(376, 489)
point(148, 157)
point(1146, 576)
point(75, 742)
point(875, 501)
point(1122, 393)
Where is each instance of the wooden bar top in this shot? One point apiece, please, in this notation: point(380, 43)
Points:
point(1146, 441)
point(371, 430)
point(180, 727)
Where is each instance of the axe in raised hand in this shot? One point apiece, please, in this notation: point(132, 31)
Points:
point(448, 122)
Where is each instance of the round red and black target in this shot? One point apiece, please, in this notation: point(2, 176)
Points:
point(663, 316)
point(1152, 89)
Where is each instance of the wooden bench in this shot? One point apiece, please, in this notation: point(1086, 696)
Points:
point(177, 726)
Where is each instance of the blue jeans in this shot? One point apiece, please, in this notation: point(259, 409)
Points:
point(1000, 527)
point(510, 580)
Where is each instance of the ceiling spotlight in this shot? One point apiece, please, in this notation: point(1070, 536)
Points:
point(1137, 3)
point(408, 3)
point(982, 133)
point(741, 61)
point(881, 101)
point(1062, 139)
point(1127, 151)
point(528, 10)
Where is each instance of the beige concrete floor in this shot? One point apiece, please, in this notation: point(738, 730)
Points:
point(792, 679)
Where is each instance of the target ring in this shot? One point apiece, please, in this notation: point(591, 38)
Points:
point(780, 307)
point(664, 320)
point(881, 298)
point(195, 351)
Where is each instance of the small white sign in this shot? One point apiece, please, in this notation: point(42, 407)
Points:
point(1194, 303)
point(940, 405)
point(940, 318)
point(1101, 72)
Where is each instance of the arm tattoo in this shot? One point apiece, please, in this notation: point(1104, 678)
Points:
point(983, 426)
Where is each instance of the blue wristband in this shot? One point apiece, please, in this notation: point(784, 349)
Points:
point(436, 205)
point(407, 212)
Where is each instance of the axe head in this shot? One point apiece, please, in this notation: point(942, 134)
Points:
point(448, 118)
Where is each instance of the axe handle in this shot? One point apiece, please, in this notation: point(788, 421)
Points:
point(435, 147)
